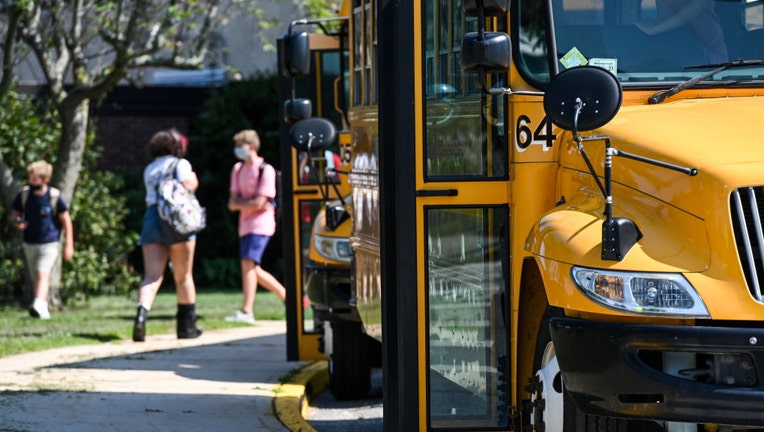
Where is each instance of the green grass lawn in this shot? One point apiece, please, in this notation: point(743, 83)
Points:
point(110, 318)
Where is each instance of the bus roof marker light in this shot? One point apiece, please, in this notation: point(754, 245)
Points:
point(586, 98)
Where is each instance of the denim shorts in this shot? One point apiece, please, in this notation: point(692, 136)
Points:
point(41, 256)
point(252, 247)
point(155, 230)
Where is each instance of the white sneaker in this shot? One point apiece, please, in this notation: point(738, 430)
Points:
point(241, 317)
point(40, 310)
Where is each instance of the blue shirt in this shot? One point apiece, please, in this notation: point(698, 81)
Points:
point(42, 224)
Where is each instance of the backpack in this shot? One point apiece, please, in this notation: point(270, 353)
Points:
point(54, 196)
point(275, 201)
point(178, 206)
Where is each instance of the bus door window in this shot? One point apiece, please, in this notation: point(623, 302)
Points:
point(466, 299)
point(468, 319)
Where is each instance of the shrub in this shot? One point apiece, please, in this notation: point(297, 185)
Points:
point(29, 130)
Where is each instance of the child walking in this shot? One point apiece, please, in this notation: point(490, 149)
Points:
point(41, 213)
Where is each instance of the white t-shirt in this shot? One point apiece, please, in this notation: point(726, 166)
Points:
point(157, 170)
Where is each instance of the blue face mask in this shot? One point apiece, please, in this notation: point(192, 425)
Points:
point(241, 152)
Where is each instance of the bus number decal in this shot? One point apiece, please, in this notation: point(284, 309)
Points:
point(345, 154)
point(542, 135)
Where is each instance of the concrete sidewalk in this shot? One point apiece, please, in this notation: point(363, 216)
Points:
point(226, 380)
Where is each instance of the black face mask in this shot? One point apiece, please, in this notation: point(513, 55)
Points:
point(35, 187)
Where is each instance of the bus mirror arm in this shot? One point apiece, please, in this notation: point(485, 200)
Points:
point(330, 173)
point(619, 235)
point(587, 98)
point(501, 91)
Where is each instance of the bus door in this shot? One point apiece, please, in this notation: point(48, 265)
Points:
point(463, 215)
point(322, 92)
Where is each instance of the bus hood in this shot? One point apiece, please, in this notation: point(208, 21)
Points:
point(718, 137)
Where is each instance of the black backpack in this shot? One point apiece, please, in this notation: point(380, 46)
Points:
point(275, 201)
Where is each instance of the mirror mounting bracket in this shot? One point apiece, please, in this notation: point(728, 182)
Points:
point(586, 98)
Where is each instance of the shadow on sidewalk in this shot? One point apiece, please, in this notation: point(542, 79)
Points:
point(220, 386)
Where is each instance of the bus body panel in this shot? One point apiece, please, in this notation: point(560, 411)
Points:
point(507, 215)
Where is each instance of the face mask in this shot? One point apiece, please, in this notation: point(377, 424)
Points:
point(35, 187)
point(241, 152)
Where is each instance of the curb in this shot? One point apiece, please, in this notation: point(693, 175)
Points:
point(292, 398)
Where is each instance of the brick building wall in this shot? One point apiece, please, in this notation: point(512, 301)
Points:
point(129, 117)
point(123, 139)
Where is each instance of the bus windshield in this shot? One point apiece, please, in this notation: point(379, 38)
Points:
point(642, 41)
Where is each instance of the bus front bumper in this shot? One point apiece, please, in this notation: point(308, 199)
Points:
point(617, 370)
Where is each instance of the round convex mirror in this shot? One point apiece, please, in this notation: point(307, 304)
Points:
point(600, 93)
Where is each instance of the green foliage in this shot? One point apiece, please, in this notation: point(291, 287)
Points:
point(102, 242)
point(321, 8)
point(219, 271)
point(29, 130)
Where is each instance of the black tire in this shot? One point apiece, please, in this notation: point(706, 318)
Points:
point(573, 419)
point(350, 363)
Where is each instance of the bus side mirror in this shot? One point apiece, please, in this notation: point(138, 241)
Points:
point(597, 90)
point(585, 98)
point(312, 134)
point(297, 109)
point(295, 62)
point(489, 54)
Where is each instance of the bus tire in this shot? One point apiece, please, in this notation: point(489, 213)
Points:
point(349, 363)
point(549, 398)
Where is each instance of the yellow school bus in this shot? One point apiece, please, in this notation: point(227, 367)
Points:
point(322, 318)
point(555, 208)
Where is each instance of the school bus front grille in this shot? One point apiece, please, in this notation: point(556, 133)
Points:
point(747, 206)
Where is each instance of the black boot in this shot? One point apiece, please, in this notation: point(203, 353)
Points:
point(139, 327)
point(186, 320)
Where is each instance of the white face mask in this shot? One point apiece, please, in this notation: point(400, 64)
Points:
point(241, 152)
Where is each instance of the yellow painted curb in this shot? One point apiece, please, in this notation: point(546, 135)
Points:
point(292, 399)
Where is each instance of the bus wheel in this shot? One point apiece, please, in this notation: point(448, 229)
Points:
point(551, 409)
point(547, 400)
point(349, 363)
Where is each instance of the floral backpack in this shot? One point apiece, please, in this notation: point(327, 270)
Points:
point(178, 206)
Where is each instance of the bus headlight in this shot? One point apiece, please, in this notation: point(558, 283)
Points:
point(659, 294)
point(333, 248)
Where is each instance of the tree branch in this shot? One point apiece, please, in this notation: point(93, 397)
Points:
point(9, 48)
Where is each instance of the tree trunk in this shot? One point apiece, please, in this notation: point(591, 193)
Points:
point(74, 126)
point(74, 130)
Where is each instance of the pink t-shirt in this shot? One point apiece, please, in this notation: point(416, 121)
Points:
point(246, 183)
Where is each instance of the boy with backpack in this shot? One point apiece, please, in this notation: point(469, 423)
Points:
point(41, 213)
point(253, 188)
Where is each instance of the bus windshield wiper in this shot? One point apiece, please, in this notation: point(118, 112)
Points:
point(662, 95)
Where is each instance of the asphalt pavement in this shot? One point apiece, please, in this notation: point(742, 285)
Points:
point(325, 414)
point(227, 380)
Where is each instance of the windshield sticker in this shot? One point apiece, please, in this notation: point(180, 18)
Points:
point(573, 58)
point(609, 64)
